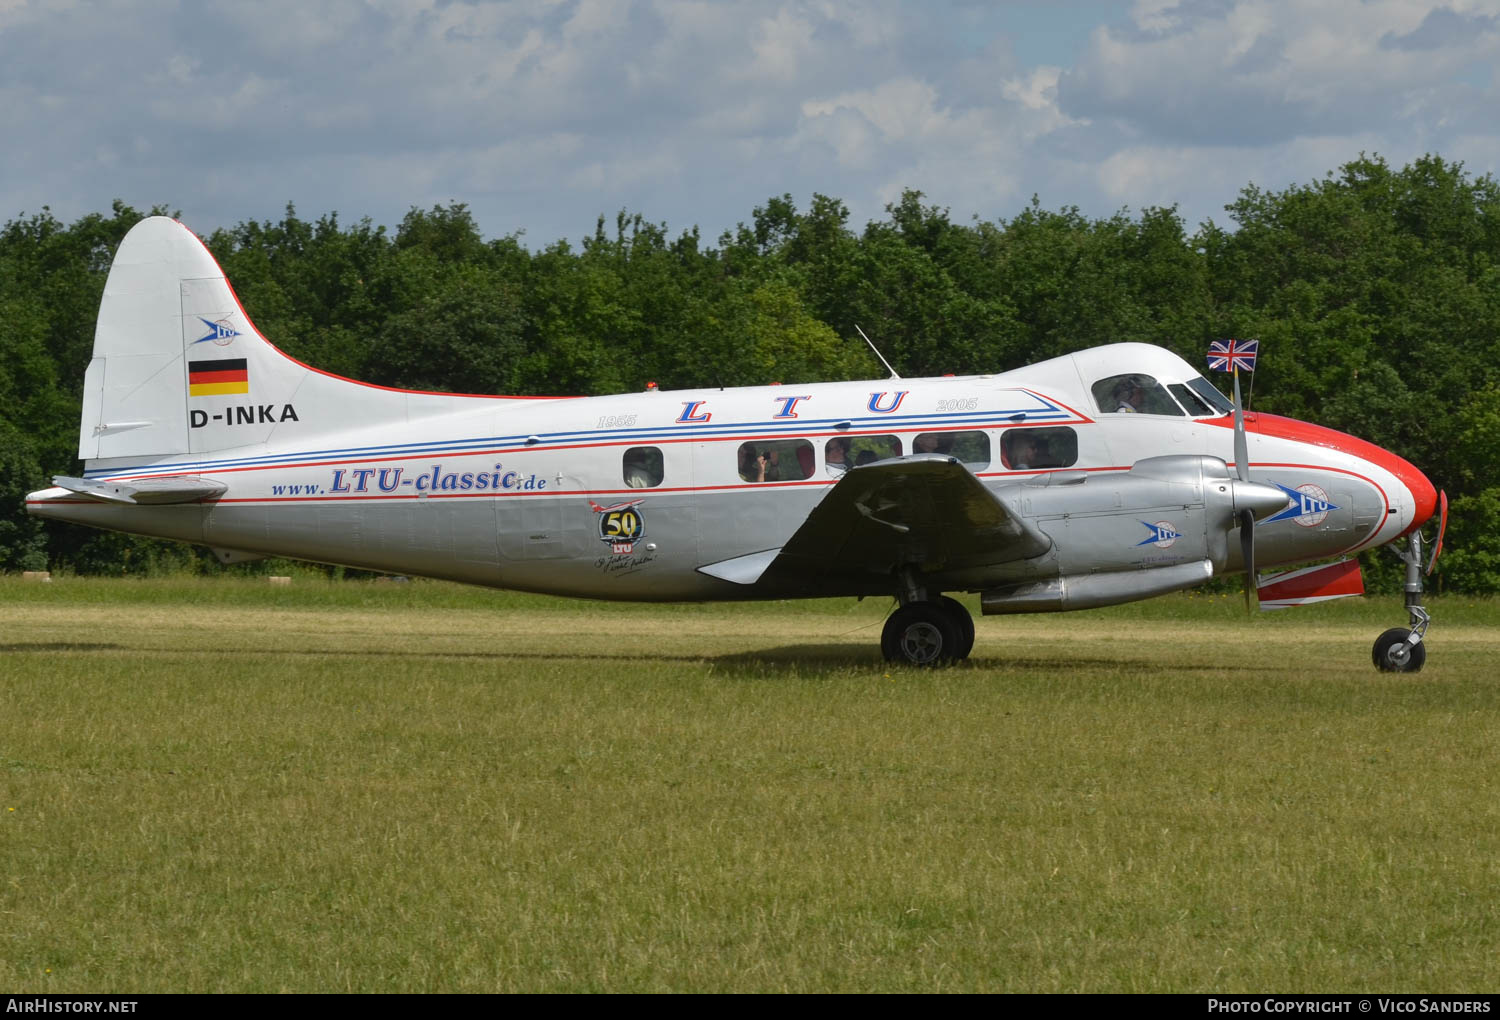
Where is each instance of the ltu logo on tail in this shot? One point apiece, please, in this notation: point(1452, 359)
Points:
point(219, 332)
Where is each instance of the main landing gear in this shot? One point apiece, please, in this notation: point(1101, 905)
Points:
point(927, 631)
point(1400, 649)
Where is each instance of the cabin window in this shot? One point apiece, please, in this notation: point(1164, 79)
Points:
point(1134, 393)
point(1030, 449)
point(971, 448)
point(844, 452)
point(776, 460)
point(641, 467)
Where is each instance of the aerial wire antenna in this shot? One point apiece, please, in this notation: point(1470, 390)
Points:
point(887, 364)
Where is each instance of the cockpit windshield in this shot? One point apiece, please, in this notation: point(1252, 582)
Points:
point(1211, 395)
point(1139, 393)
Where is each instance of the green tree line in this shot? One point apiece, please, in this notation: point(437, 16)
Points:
point(1375, 293)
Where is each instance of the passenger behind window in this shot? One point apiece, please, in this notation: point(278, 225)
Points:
point(878, 448)
point(971, 448)
point(1039, 448)
point(642, 467)
point(1024, 453)
point(776, 460)
point(836, 456)
point(754, 464)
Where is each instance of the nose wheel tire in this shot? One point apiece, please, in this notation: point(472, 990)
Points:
point(921, 634)
point(1394, 654)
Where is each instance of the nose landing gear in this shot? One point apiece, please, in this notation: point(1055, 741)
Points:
point(1400, 649)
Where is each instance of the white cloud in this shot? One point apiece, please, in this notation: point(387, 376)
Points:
point(542, 116)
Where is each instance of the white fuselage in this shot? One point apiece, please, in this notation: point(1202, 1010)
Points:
point(551, 495)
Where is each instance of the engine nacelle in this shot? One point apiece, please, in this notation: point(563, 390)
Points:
point(1090, 591)
point(1164, 511)
point(1122, 536)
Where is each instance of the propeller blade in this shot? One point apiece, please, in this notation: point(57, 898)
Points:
point(1242, 469)
point(1247, 552)
point(1241, 446)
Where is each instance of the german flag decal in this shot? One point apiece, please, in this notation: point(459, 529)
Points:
point(211, 378)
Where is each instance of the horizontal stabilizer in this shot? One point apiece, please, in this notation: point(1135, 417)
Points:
point(144, 491)
point(1310, 584)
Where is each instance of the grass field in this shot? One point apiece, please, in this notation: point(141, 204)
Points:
point(216, 785)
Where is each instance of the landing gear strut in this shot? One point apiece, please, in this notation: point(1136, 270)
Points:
point(1400, 649)
point(927, 631)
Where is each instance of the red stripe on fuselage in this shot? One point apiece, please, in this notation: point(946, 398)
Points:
point(1423, 494)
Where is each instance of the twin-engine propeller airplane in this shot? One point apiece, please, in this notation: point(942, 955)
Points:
point(1091, 479)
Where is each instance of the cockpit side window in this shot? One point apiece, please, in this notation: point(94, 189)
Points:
point(1190, 402)
point(1210, 394)
point(1134, 393)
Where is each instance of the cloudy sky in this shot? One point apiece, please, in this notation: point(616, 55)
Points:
point(542, 115)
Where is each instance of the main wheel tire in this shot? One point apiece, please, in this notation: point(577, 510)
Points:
point(920, 634)
point(1392, 653)
point(965, 622)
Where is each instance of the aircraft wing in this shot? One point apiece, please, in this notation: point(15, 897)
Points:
point(927, 512)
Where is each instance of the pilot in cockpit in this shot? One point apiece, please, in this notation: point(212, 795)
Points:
point(1130, 395)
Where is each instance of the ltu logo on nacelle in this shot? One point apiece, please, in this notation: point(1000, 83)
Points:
point(1309, 505)
point(1163, 534)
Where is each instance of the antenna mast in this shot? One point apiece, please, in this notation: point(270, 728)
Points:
point(887, 364)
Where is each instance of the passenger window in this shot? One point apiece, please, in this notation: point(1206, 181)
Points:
point(971, 448)
point(1030, 449)
point(776, 460)
point(1134, 393)
point(869, 449)
point(642, 467)
point(844, 452)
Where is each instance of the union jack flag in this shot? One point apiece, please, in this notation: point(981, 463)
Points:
point(1227, 355)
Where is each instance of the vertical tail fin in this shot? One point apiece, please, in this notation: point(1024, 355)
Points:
point(179, 370)
point(178, 367)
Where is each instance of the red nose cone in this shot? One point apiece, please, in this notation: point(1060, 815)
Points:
point(1423, 496)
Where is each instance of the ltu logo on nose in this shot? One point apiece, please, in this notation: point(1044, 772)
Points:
point(1309, 505)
